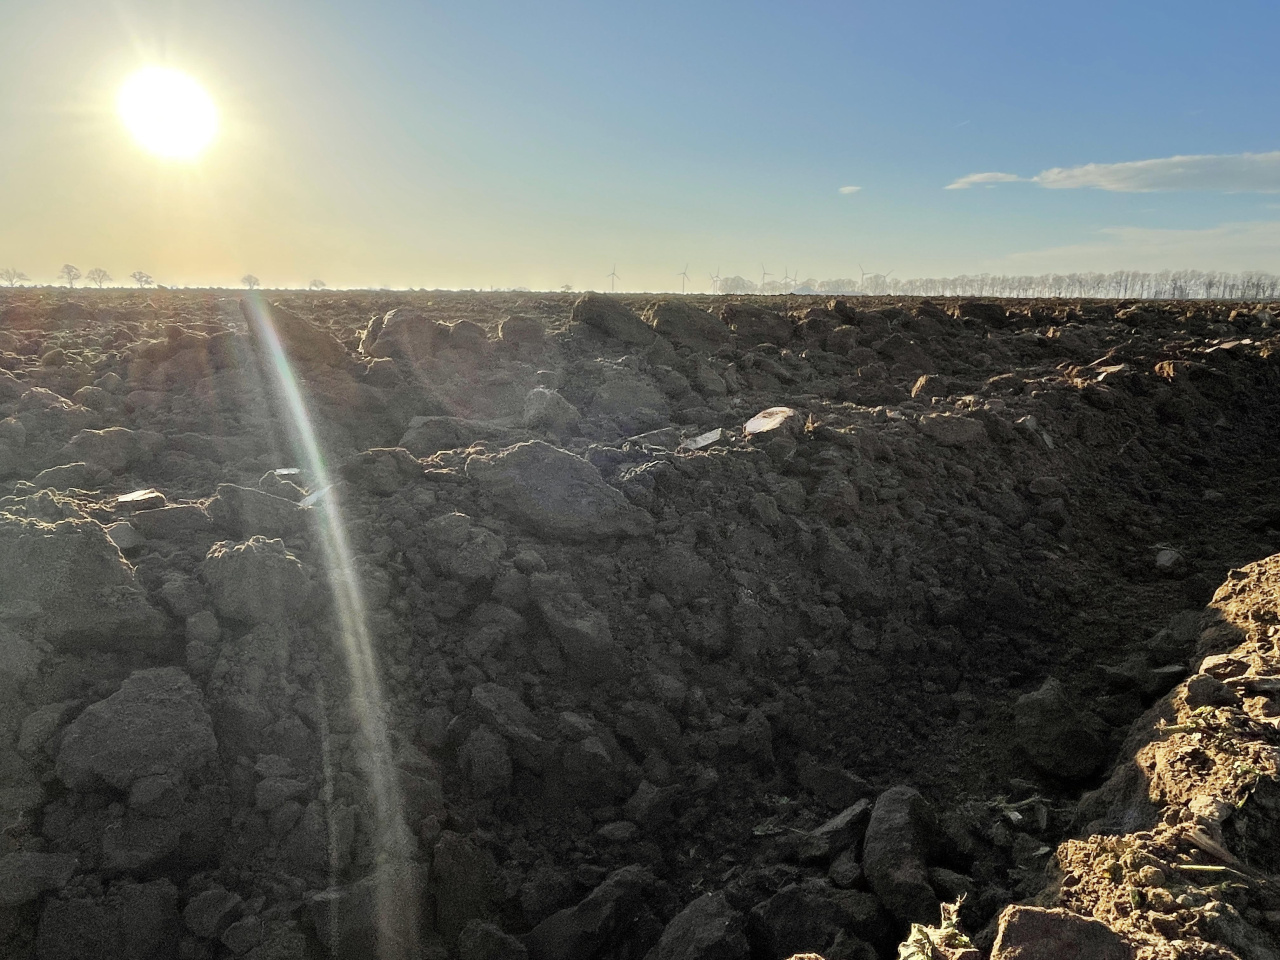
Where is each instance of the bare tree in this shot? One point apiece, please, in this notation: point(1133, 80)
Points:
point(737, 285)
point(250, 281)
point(12, 277)
point(98, 276)
point(317, 284)
point(71, 273)
point(141, 279)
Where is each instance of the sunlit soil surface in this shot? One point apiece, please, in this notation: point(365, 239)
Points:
point(482, 626)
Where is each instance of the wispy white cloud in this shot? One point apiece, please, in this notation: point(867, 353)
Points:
point(1252, 245)
point(977, 179)
point(1219, 173)
point(850, 189)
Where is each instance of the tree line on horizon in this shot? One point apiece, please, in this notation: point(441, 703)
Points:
point(70, 273)
point(1119, 285)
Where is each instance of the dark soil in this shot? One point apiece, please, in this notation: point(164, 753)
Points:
point(612, 674)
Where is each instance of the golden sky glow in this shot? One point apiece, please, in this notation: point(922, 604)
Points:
point(168, 113)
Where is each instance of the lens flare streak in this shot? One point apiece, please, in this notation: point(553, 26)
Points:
point(396, 908)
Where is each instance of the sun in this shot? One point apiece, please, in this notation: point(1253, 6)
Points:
point(168, 113)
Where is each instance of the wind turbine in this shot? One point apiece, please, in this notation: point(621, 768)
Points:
point(715, 281)
point(613, 276)
point(684, 277)
point(763, 273)
point(786, 277)
point(879, 280)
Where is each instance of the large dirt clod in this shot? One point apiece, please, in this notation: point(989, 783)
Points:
point(156, 724)
point(611, 318)
point(67, 582)
point(556, 494)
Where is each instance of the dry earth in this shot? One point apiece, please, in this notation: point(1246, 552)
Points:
point(533, 673)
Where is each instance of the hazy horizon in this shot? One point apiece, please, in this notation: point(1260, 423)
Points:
point(493, 144)
point(1119, 285)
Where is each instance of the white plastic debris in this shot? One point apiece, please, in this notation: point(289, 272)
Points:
point(147, 499)
point(767, 420)
point(287, 471)
point(312, 499)
point(703, 440)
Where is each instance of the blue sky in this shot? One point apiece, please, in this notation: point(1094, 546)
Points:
point(498, 144)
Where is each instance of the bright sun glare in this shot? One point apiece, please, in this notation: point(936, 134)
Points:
point(168, 113)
